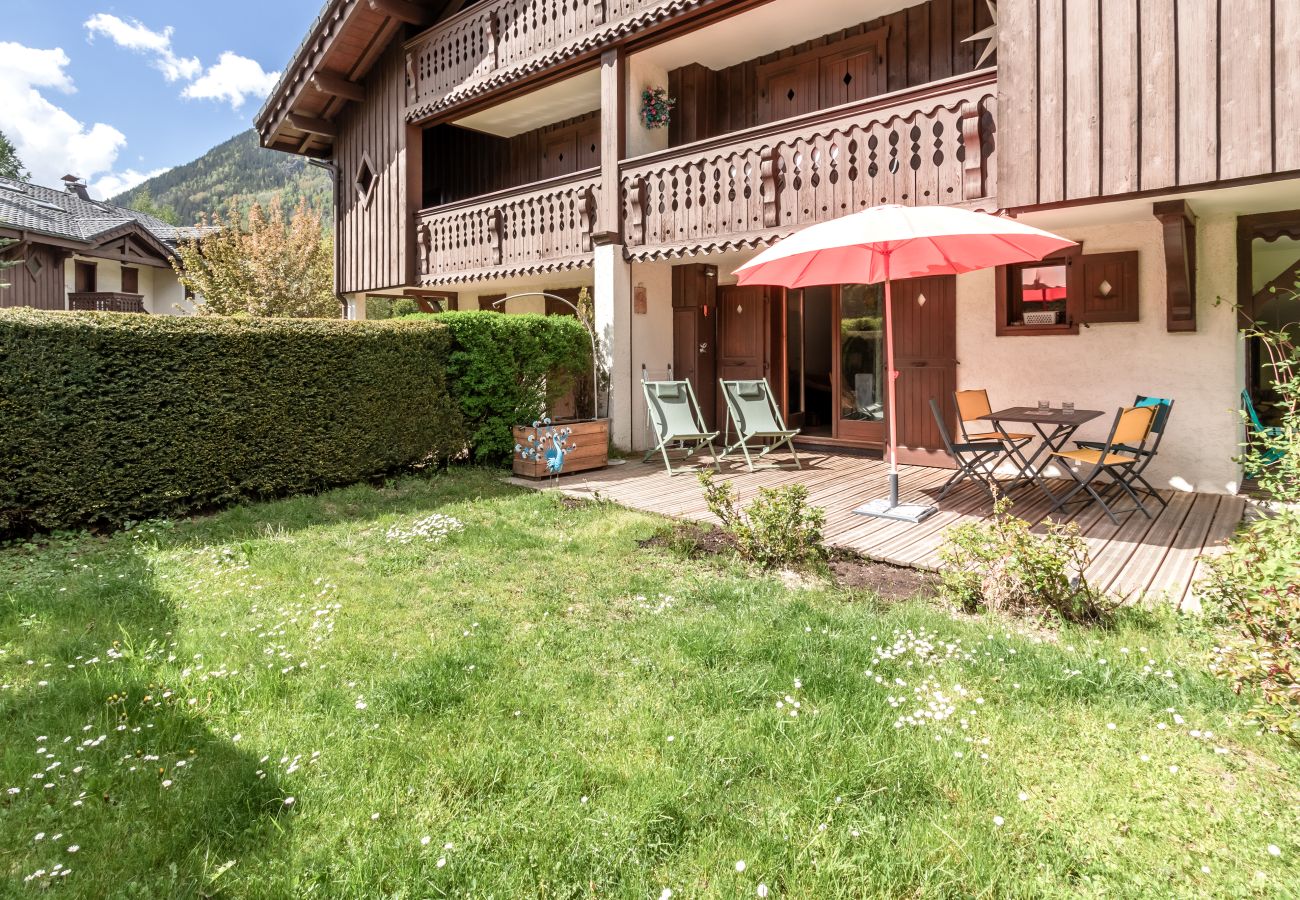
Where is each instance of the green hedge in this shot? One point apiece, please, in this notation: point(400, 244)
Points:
point(107, 418)
point(505, 370)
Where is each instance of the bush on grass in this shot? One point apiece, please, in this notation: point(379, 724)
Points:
point(1002, 565)
point(508, 370)
point(108, 418)
point(779, 529)
point(1255, 584)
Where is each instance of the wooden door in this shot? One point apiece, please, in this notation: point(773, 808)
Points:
point(789, 88)
point(854, 70)
point(694, 334)
point(559, 155)
point(743, 343)
point(925, 344)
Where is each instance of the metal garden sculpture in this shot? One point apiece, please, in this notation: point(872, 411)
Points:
point(547, 443)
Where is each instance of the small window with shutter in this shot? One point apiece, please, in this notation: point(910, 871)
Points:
point(130, 280)
point(1064, 291)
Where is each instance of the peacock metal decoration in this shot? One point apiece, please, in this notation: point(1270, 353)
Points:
point(547, 443)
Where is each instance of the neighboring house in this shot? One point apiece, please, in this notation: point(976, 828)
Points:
point(486, 148)
point(80, 253)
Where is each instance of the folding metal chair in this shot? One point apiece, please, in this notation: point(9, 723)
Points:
point(973, 404)
point(1115, 459)
point(1259, 430)
point(975, 460)
point(753, 409)
point(675, 418)
point(1163, 408)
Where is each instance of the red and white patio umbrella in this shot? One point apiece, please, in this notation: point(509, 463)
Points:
point(888, 242)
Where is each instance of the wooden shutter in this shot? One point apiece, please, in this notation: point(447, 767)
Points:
point(130, 281)
point(1104, 287)
point(853, 69)
point(485, 302)
point(790, 87)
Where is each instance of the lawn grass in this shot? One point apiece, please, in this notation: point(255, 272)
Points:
point(535, 706)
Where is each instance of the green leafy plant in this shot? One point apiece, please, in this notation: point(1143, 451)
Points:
point(108, 418)
point(779, 529)
point(507, 370)
point(1002, 565)
point(1254, 585)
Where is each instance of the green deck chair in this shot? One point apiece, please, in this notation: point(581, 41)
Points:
point(1258, 430)
point(675, 417)
point(753, 409)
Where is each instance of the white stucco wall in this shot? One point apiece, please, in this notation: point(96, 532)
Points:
point(163, 293)
point(642, 73)
point(652, 340)
point(1105, 366)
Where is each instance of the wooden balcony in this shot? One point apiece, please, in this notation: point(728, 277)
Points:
point(541, 227)
point(491, 44)
point(106, 301)
point(931, 145)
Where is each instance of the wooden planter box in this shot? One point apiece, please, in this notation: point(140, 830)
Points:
point(590, 437)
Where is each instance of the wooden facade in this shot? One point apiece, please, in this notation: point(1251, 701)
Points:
point(460, 163)
point(1102, 98)
point(906, 49)
point(374, 235)
point(931, 146)
point(38, 281)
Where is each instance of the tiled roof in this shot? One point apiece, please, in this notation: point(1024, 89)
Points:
point(61, 214)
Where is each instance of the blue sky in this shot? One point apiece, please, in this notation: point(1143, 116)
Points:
point(117, 91)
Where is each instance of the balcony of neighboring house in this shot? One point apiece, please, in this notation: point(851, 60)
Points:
point(791, 113)
point(106, 301)
point(512, 189)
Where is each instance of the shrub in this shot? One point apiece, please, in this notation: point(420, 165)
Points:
point(108, 418)
point(778, 529)
point(1002, 565)
point(506, 370)
point(1255, 584)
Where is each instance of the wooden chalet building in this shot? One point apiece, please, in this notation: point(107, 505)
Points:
point(487, 148)
point(79, 253)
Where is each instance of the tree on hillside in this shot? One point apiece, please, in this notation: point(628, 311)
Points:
point(10, 165)
point(144, 203)
point(262, 265)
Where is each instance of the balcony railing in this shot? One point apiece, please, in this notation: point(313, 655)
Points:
point(541, 227)
point(106, 301)
point(933, 145)
point(492, 42)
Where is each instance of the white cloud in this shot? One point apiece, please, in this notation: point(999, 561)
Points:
point(135, 35)
point(116, 183)
point(50, 141)
point(234, 78)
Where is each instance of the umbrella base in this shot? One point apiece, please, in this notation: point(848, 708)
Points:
point(902, 512)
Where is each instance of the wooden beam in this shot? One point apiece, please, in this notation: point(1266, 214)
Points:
point(338, 87)
point(609, 224)
point(1180, 263)
point(403, 10)
point(312, 125)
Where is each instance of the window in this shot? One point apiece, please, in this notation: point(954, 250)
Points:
point(84, 277)
point(130, 280)
point(1064, 291)
point(365, 180)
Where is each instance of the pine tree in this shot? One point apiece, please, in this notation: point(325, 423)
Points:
point(10, 165)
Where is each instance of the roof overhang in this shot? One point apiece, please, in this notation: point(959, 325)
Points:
point(328, 69)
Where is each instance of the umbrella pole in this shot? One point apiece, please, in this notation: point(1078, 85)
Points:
point(890, 394)
point(891, 509)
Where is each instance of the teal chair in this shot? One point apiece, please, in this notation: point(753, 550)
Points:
point(1259, 430)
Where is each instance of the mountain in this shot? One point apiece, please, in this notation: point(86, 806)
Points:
point(238, 170)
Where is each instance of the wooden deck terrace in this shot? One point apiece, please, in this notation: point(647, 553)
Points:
point(1160, 556)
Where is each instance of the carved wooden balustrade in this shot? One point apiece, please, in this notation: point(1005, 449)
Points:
point(541, 227)
point(106, 301)
point(492, 43)
point(933, 145)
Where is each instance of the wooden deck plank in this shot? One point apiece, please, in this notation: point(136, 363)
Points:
point(1226, 521)
point(1163, 554)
